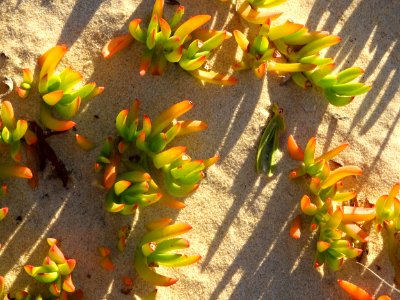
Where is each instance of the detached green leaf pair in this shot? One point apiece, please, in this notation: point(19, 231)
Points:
point(268, 146)
point(156, 249)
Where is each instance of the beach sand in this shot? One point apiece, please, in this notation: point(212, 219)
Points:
point(240, 219)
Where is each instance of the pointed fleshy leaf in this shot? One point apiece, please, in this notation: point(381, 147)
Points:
point(168, 156)
point(68, 285)
point(53, 98)
point(309, 151)
point(241, 39)
point(190, 25)
point(213, 77)
point(289, 67)
point(354, 291)
point(3, 214)
point(332, 153)
point(20, 130)
point(295, 227)
point(259, 16)
point(158, 8)
point(49, 60)
point(307, 206)
point(7, 115)
point(7, 170)
point(56, 254)
point(165, 233)
point(116, 44)
point(168, 115)
point(339, 174)
point(135, 30)
point(52, 123)
point(280, 31)
point(107, 264)
point(84, 142)
point(177, 16)
point(317, 45)
point(172, 244)
point(294, 149)
point(323, 246)
point(148, 274)
point(354, 231)
point(349, 74)
point(67, 267)
point(358, 214)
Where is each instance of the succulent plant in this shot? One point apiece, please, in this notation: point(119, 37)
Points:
point(166, 41)
point(266, 152)
point(290, 48)
point(148, 141)
point(388, 221)
point(156, 249)
point(338, 223)
point(56, 270)
point(58, 90)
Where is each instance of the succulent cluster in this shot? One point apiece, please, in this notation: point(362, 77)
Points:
point(55, 270)
point(337, 223)
point(290, 48)
point(146, 140)
point(167, 41)
point(156, 249)
point(58, 90)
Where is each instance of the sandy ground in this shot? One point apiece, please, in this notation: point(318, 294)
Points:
point(240, 220)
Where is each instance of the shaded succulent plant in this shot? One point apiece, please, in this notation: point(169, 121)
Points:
point(357, 292)
point(56, 270)
point(266, 152)
point(148, 142)
point(156, 249)
point(166, 41)
point(388, 221)
point(58, 90)
point(338, 223)
point(290, 48)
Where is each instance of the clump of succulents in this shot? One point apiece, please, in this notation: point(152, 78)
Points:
point(61, 101)
point(58, 90)
point(157, 249)
point(167, 41)
point(130, 184)
point(55, 270)
point(290, 48)
point(388, 221)
point(337, 223)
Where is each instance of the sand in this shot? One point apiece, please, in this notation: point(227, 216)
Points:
point(240, 219)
